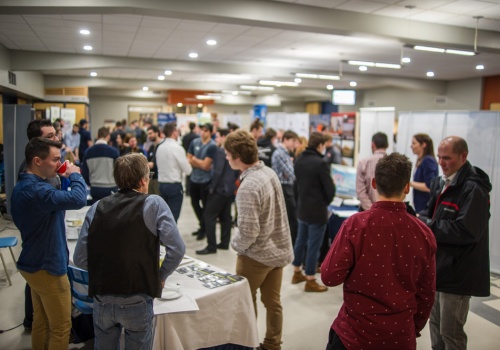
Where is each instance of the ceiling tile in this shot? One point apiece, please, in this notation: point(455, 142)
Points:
point(159, 23)
point(321, 3)
point(432, 16)
point(361, 6)
point(463, 6)
point(11, 19)
point(195, 25)
point(14, 26)
point(397, 11)
point(46, 20)
point(423, 4)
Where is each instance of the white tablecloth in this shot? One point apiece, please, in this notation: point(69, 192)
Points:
point(226, 313)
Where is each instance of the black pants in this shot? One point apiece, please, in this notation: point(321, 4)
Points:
point(198, 193)
point(334, 342)
point(291, 210)
point(218, 206)
point(28, 307)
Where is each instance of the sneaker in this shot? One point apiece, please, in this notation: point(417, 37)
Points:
point(313, 286)
point(298, 277)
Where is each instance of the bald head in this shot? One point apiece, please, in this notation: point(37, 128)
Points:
point(452, 154)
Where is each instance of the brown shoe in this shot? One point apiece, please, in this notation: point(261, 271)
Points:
point(298, 277)
point(313, 286)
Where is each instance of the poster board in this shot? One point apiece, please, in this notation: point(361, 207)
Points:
point(371, 121)
point(298, 122)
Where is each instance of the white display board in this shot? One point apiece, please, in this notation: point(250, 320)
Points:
point(231, 118)
point(298, 122)
point(480, 129)
point(371, 121)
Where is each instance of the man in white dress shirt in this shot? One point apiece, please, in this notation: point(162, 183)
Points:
point(172, 164)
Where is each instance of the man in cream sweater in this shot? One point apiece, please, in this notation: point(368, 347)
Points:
point(262, 239)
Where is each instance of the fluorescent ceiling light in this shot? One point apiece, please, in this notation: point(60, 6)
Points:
point(161, 77)
point(479, 67)
point(145, 88)
point(374, 64)
point(406, 60)
point(297, 80)
point(353, 83)
point(93, 74)
point(317, 76)
point(442, 50)
point(168, 72)
point(329, 87)
point(278, 83)
point(193, 55)
point(430, 74)
point(87, 48)
point(85, 32)
point(211, 42)
point(259, 88)
point(208, 97)
point(233, 92)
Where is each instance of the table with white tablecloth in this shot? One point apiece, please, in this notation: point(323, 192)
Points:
point(225, 316)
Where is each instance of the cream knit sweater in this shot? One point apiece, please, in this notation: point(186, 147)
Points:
point(263, 233)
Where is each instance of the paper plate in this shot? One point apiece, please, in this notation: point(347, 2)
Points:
point(170, 294)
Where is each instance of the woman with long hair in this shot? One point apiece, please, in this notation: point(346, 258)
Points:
point(425, 170)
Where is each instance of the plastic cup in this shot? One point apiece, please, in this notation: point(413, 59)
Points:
point(62, 169)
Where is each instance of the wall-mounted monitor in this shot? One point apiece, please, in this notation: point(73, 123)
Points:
point(344, 97)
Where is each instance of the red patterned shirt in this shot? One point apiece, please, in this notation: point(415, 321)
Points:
point(386, 259)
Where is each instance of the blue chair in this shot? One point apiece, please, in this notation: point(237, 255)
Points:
point(78, 277)
point(8, 242)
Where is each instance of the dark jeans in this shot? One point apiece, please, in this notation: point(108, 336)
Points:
point(334, 342)
point(101, 192)
point(198, 193)
point(218, 206)
point(291, 210)
point(28, 307)
point(172, 194)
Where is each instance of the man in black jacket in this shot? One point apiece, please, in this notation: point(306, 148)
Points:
point(315, 190)
point(221, 192)
point(458, 214)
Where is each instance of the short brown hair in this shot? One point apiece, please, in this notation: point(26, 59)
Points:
point(242, 145)
point(315, 140)
point(256, 124)
point(289, 134)
point(102, 132)
point(39, 147)
point(392, 173)
point(129, 170)
point(169, 128)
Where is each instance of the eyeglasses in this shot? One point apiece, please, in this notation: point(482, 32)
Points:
point(151, 174)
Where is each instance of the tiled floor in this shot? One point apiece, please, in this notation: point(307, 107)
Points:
point(308, 316)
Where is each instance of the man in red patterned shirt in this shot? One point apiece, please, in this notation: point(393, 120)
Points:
point(386, 259)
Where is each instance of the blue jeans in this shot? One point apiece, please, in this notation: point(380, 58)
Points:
point(173, 194)
point(134, 313)
point(309, 237)
point(447, 321)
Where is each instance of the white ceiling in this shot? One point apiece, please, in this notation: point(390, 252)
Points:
point(134, 42)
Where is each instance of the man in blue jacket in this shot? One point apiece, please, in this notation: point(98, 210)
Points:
point(458, 214)
point(38, 212)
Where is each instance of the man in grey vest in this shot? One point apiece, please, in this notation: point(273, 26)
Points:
point(119, 244)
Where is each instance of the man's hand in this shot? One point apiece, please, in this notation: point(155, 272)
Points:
point(72, 168)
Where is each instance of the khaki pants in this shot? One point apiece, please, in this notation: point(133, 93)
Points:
point(51, 297)
point(268, 280)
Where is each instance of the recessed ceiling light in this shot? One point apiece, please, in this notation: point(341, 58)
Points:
point(167, 72)
point(93, 74)
point(200, 105)
point(211, 42)
point(363, 68)
point(145, 88)
point(193, 55)
point(84, 31)
point(161, 77)
point(406, 60)
point(235, 93)
point(297, 80)
point(329, 87)
point(353, 83)
point(87, 48)
point(479, 67)
point(180, 104)
point(430, 74)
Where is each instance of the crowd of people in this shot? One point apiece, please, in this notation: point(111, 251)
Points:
point(398, 266)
